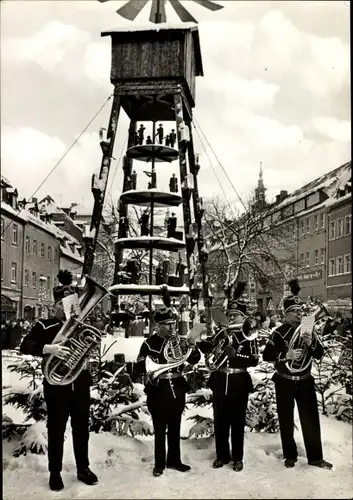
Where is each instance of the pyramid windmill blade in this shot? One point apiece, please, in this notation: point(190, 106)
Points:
point(183, 14)
point(131, 9)
point(158, 6)
point(209, 5)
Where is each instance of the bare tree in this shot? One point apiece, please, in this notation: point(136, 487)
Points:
point(241, 246)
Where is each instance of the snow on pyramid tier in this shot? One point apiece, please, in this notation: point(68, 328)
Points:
point(147, 289)
point(159, 242)
point(145, 197)
point(149, 152)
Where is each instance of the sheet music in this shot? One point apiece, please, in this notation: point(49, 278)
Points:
point(71, 305)
point(307, 324)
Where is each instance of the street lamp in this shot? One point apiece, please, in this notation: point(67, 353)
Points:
point(42, 295)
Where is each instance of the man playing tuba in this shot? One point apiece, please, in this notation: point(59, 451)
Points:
point(166, 392)
point(231, 384)
point(65, 400)
point(296, 384)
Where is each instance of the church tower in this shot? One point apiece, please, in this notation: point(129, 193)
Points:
point(260, 195)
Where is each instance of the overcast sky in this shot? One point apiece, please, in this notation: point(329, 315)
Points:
point(275, 89)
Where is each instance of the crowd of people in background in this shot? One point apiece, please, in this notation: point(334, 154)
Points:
point(13, 330)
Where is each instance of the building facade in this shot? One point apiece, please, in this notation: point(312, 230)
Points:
point(41, 266)
point(339, 245)
point(33, 250)
point(12, 237)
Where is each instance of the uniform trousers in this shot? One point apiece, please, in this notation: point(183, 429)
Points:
point(303, 392)
point(166, 412)
point(63, 401)
point(230, 400)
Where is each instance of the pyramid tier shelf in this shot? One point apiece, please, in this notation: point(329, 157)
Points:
point(159, 242)
point(144, 198)
point(148, 152)
point(147, 290)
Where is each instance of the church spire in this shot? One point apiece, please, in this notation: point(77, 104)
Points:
point(260, 190)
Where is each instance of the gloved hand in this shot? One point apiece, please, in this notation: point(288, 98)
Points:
point(57, 350)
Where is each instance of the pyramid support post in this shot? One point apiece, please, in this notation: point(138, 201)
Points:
point(99, 186)
point(202, 253)
point(182, 144)
point(123, 208)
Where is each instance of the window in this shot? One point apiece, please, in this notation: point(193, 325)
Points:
point(34, 247)
point(307, 259)
point(316, 222)
point(322, 256)
point(14, 234)
point(347, 224)
point(313, 199)
point(27, 244)
point(347, 263)
point(55, 256)
point(13, 272)
point(2, 227)
point(49, 254)
point(316, 258)
point(332, 230)
point(42, 250)
point(307, 226)
point(301, 260)
point(26, 277)
point(302, 228)
point(339, 265)
point(299, 205)
point(339, 228)
point(34, 280)
point(331, 267)
point(321, 221)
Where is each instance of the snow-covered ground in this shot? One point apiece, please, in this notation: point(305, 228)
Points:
point(124, 466)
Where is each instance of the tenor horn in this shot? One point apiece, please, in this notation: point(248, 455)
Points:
point(297, 342)
point(80, 338)
point(176, 351)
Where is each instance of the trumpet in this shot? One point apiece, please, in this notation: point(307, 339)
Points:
point(222, 339)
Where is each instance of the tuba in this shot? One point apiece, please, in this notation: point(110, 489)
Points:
point(296, 342)
point(176, 351)
point(80, 338)
point(222, 339)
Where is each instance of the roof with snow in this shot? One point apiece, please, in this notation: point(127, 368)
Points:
point(327, 182)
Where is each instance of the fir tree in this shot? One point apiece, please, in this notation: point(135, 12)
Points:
point(30, 400)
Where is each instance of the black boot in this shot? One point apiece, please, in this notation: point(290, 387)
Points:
point(219, 463)
point(55, 481)
point(157, 472)
point(180, 467)
point(289, 463)
point(321, 463)
point(87, 476)
point(238, 465)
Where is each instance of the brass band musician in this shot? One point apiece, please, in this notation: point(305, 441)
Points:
point(62, 401)
point(231, 384)
point(296, 385)
point(166, 393)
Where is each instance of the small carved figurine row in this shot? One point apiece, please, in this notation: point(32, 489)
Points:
point(131, 181)
point(144, 220)
point(169, 140)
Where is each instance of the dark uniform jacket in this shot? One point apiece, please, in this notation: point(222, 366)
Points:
point(277, 348)
point(242, 353)
point(43, 332)
point(154, 347)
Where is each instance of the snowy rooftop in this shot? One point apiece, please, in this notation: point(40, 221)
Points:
point(150, 27)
